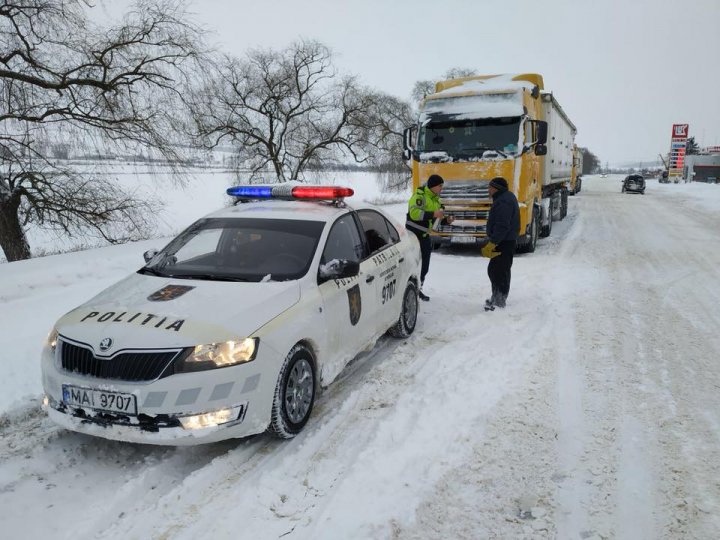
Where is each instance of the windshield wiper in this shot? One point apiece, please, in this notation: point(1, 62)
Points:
point(488, 149)
point(151, 271)
point(209, 277)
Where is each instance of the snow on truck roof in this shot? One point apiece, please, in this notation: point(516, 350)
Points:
point(491, 83)
point(459, 107)
point(492, 96)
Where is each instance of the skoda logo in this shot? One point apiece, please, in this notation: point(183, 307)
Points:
point(105, 344)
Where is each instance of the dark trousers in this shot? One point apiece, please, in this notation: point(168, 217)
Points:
point(499, 272)
point(425, 252)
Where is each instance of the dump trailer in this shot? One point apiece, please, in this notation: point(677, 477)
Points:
point(473, 129)
point(576, 177)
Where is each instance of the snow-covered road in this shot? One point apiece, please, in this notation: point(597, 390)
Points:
point(589, 408)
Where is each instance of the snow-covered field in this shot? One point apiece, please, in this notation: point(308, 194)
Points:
point(588, 408)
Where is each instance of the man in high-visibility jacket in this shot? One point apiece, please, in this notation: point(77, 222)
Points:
point(424, 208)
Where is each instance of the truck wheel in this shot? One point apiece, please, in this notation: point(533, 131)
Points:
point(294, 393)
point(545, 230)
point(408, 313)
point(563, 204)
point(532, 236)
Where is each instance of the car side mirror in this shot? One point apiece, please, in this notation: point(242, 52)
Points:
point(149, 254)
point(338, 269)
point(540, 149)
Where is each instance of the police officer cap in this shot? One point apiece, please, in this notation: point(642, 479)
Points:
point(435, 180)
point(499, 183)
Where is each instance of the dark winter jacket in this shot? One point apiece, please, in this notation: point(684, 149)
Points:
point(504, 219)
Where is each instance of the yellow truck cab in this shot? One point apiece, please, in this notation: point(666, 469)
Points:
point(473, 129)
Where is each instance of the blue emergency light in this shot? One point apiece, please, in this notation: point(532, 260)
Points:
point(251, 192)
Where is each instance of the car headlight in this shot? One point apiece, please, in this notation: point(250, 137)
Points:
point(52, 339)
point(218, 355)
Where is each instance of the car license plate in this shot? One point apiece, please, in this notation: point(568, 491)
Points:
point(101, 400)
point(462, 239)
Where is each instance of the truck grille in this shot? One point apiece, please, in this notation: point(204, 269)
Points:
point(465, 190)
point(462, 229)
point(130, 366)
point(468, 214)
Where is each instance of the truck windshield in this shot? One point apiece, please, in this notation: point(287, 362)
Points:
point(463, 139)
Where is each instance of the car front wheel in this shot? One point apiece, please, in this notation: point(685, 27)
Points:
point(294, 393)
point(408, 313)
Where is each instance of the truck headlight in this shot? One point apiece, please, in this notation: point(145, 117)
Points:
point(217, 355)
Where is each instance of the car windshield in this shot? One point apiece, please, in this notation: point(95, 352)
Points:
point(470, 138)
point(239, 249)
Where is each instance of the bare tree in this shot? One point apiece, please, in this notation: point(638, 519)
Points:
point(286, 111)
point(65, 81)
point(426, 87)
point(387, 118)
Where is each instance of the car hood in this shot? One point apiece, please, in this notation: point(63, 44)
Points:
point(144, 311)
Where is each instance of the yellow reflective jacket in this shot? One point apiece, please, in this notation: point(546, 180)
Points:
point(421, 207)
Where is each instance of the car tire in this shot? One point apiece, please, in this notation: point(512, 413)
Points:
point(294, 393)
point(405, 324)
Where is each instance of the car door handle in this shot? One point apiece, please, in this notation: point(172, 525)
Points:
point(369, 279)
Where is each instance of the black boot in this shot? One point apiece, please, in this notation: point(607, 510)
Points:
point(423, 296)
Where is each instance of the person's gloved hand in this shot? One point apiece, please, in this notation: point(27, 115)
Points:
point(488, 250)
point(483, 242)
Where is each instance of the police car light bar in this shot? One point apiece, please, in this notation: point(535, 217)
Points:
point(290, 192)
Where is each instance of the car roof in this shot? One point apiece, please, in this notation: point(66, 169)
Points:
point(301, 210)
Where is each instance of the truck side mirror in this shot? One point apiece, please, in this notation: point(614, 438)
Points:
point(542, 129)
point(540, 149)
point(408, 142)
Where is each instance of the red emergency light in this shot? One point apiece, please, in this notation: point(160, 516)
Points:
point(321, 192)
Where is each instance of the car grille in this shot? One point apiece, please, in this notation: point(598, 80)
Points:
point(130, 366)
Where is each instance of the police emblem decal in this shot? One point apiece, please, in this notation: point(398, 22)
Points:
point(354, 303)
point(105, 344)
point(169, 292)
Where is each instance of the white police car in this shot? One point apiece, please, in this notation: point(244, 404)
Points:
point(233, 327)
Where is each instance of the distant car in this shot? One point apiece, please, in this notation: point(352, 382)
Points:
point(664, 178)
point(634, 183)
point(232, 328)
point(603, 175)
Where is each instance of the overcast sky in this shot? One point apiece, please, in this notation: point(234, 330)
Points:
point(623, 70)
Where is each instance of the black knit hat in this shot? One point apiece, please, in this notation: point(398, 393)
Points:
point(499, 183)
point(435, 180)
